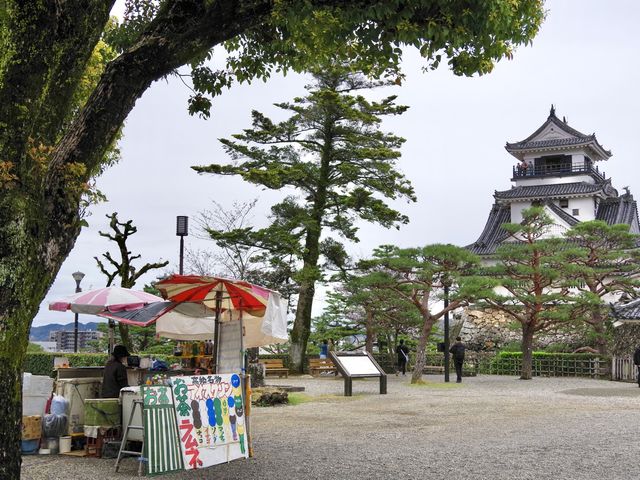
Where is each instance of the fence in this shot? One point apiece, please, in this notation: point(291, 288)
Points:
point(623, 369)
point(557, 365)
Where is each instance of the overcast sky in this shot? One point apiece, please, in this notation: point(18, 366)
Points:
point(584, 61)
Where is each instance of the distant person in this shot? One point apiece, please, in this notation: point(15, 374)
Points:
point(403, 357)
point(324, 349)
point(636, 361)
point(457, 350)
point(115, 373)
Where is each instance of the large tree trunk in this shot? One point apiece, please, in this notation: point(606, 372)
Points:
point(598, 323)
point(370, 335)
point(527, 351)
point(310, 273)
point(301, 327)
point(422, 346)
point(43, 158)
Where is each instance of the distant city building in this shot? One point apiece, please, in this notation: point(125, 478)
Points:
point(64, 339)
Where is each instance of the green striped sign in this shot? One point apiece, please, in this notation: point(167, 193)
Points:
point(161, 441)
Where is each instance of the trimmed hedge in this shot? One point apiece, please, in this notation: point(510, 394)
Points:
point(42, 363)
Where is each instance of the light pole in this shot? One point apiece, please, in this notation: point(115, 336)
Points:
point(446, 333)
point(77, 276)
point(182, 230)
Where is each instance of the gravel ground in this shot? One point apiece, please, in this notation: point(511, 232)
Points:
point(489, 427)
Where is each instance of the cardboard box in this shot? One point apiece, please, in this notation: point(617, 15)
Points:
point(31, 427)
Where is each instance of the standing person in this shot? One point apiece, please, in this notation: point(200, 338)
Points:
point(636, 361)
point(324, 349)
point(115, 373)
point(457, 350)
point(403, 357)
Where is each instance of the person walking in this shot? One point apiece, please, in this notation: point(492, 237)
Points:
point(457, 350)
point(403, 357)
point(636, 361)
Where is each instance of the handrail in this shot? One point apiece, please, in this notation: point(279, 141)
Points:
point(526, 170)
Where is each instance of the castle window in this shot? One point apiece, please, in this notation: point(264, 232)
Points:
point(575, 212)
point(564, 203)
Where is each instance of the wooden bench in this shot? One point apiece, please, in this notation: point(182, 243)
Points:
point(317, 366)
point(432, 369)
point(274, 366)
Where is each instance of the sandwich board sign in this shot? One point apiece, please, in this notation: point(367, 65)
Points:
point(358, 365)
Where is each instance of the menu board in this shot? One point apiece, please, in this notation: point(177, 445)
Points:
point(210, 418)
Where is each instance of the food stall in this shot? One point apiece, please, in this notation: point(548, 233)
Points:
point(205, 417)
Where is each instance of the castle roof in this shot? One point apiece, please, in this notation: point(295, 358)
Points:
point(537, 192)
point(615, 210)
point(627, 311)
point(556, 134)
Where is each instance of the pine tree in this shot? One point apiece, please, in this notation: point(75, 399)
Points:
point(603, 264)
point(332, 152)
point(418, 276)
point(530, 285)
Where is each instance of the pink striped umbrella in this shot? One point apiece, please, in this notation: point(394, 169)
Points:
point(107, 299)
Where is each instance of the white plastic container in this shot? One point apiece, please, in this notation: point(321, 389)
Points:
point(34, 404)
point(36, 390)
point(75, 390)
point(40, 385)
point(65, 444)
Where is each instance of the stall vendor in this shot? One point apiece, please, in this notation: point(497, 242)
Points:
point(115, 373)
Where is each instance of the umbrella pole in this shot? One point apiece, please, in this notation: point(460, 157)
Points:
point(245, 380)
point(112, 326)
point(216, 333)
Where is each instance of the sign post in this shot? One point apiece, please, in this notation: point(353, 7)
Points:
point(358, 365)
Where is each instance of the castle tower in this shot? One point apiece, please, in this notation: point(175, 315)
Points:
point(557, 169)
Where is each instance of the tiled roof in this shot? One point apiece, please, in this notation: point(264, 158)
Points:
point(554, 190)
point(554, 142)
point(622, 209)
point(493, 233)
point(577, 138)
point(627, 311)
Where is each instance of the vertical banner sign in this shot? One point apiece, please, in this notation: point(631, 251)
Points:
point(229, 348)
point(161, 446)
point(210, 418)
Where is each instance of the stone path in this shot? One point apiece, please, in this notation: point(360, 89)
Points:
point(489, 427)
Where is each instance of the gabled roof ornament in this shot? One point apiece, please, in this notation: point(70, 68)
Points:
point(552, 112)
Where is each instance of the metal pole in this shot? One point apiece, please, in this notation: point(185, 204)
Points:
point(446, 334)
point(243, 369)
point(181, 253)
point(75, 323)
point(216, 333)
point(75, 334)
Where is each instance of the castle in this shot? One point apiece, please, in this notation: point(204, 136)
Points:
point(557, 169)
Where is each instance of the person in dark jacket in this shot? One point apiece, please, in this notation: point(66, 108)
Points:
point(636, 361)
point(403, 357)
point(115, 373)
point(457, 350)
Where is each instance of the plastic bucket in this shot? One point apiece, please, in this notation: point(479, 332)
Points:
point(51, 444)
point(65, 444)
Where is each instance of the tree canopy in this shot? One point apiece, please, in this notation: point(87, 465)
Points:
point(51, 147)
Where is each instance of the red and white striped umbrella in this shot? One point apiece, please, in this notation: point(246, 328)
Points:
point(236, 294)
point(107, 299)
